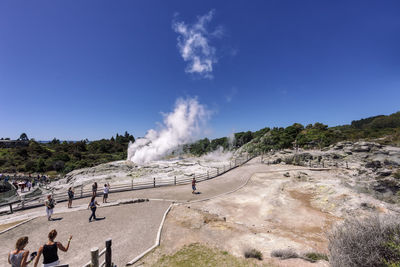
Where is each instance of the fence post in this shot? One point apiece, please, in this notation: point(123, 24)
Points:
point(154, 182)
point(23, 201)
point(81, 190)
point(217, 171)
point(95, 257)
point(132, 184)
point(174, 180)
point(108, 253)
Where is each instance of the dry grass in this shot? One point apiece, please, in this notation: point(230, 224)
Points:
point(284, 254)
point(253, 253)
point(198, 255)
point(373, 241)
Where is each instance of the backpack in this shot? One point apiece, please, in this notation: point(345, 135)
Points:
point(51, 204)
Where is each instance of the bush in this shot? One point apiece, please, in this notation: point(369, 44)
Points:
point(284, 254)
point(314, 256)
point(253, 253)
point(373, 241)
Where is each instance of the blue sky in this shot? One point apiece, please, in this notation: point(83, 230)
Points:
point(90, 69)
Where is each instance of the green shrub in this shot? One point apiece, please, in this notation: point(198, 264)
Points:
point(315, 256)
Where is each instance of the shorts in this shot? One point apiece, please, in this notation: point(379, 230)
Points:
point(54, 263)
point(105, 195)
point(193, 187)
point(49, 212)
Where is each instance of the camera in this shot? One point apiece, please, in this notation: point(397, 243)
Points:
point(33, 255)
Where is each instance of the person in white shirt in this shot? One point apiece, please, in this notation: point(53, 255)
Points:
point(106, 189)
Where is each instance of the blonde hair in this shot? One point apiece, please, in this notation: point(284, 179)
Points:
point(21, 242)
point(52, 234)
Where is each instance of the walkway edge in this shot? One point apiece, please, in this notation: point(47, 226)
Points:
point(18, 224)
point(158, 238)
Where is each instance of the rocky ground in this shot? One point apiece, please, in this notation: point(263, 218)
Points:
point(368, 167)
point(122, 172)
point(288, 204)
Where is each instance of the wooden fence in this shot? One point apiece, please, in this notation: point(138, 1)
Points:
point(37, 201)
point(95, 256)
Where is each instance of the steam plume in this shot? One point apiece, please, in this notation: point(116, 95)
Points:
point(181, 126)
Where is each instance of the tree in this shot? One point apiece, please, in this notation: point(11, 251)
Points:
point(23, 137)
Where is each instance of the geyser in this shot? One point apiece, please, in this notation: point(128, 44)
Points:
point(181, 126)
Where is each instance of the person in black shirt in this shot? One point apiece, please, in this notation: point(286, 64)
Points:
point(49, 250)
point(70, 197)
point(94, 189)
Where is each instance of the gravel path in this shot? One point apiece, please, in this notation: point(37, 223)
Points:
point(132, 227)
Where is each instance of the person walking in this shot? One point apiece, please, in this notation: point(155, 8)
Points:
point(50, 204)
point(70, 197)
point(93, 206)
point(106, 189)
point(193, 185)
point(94, 189)
point(49, 250)
point(19, 256)
point(29, 184)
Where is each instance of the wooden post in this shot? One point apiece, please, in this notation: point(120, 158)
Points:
point(217, 171)
point(174, 180)
point(81, 190)
point(132, 184)
point(323, 164)
point(154, 182)
point(23, 201)
point(108, 253)
point(309, 163)
point(11, 210)
point(95, 257)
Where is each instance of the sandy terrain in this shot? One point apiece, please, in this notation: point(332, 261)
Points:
point(282, 206)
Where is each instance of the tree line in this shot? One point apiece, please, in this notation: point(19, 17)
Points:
point(62, 157)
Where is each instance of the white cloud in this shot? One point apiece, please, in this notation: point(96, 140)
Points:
point(194, 44)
